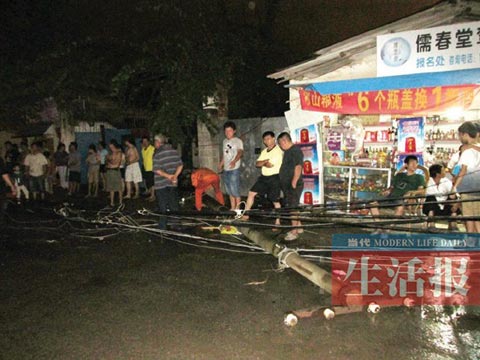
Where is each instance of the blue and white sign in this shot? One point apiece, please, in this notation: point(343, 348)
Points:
point(442, 48)
point(406, 242)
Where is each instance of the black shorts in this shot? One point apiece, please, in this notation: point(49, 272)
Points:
point(291, 195)
point(431, 204)
point(389, 201)
point(103, 169)
point(268, 185)
point(74, 176)
point(148, 177)
point(37, 184)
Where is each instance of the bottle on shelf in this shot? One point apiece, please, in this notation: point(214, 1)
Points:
point(382, 159)
point(451, 135)
point(375, 159)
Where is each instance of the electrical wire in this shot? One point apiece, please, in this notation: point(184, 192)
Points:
point(108, 223)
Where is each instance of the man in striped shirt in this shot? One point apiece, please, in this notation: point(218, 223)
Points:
point(167, 166)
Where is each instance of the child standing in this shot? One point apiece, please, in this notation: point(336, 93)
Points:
point(18, 179)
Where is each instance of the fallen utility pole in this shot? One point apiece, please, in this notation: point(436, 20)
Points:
point(290, 258)
point(286, 256)
point(320, 277)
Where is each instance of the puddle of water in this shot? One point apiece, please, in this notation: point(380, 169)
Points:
point(450, 332)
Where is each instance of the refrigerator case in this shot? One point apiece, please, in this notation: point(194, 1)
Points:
point(344, 184)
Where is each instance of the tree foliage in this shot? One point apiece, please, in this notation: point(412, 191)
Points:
point(163, 58)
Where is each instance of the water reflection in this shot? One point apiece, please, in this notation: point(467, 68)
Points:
point(450, 332)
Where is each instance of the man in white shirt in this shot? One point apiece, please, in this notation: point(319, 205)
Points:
point(439, 190)
point(35, 169)
point(230, 163)
point(270, 161)
point(468, 180)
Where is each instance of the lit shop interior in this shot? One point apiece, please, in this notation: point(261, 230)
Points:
point(367, 127)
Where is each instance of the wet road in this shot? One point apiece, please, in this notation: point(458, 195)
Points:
point(140, 298)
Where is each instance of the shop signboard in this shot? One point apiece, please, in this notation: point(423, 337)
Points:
point(420, 100)
point(442, 48)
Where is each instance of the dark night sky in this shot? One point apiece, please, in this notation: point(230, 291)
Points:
point(299, 28)
point(283, 33)
point(309, 25)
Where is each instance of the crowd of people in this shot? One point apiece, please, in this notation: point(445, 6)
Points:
point(281, 164)
point(116, 169)
point(33, 173)
point(441, 190)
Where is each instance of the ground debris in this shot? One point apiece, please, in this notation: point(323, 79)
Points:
point(255, 283)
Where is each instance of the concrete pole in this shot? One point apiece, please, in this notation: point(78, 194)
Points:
point(315, 274)
point(290, 258)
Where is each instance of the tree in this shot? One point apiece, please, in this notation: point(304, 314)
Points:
point(165, 57)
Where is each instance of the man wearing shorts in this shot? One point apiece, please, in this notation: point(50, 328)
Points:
point(270, 161)
point(113, 179)
point(230, 163)
point(102, 153)
point(147, 156)
point(291, 180)
point(133, 174)
point(468, 180)
point(404, 184)
point(36, 169)
point(74, 168)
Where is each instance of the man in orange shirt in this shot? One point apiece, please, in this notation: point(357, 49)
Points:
point(202, 179)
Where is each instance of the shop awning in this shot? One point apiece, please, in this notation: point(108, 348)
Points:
point(406, 94)
point(461, 77)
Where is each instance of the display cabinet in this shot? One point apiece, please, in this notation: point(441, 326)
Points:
point(344, 184)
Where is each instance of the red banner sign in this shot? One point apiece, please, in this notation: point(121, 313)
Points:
point(399, 102)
